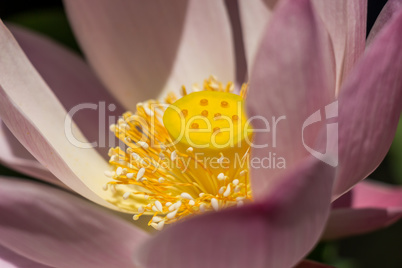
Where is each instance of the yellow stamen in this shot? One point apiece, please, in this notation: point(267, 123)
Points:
point(179, 161)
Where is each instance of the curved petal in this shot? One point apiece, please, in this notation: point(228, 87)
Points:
point(372, 194)
point(58, 229)
point(290, 81)
point(73, 83)
point(369, 108)
point(15, 156)
point(275, 233)
point(389, 10)
point(140, 47)
point(255, 15)
point(367, 207)
point(233, 10)
point(345, 21)
point(37, 119)
point(10, 259)
point(312, 264)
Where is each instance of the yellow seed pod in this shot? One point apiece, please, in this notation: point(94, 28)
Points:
point(215, 124)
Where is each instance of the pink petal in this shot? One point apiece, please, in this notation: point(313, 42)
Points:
point(369, 108)
point(390, 9)
point(375, 195)
point(345, 20)
point(275, 233)
point(291, 79)
point(139, 48)
point(346, 24)
point(367, 207)
point(10, 259)
point(73, 83)
point(312, 264)
point(255, 16)
point(15, 156)
point(58, 229)
point(37, 119)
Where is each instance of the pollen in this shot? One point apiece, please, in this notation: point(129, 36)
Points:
point(176, 161)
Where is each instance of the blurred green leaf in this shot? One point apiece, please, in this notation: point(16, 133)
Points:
point(395, 159)
point(328, 253)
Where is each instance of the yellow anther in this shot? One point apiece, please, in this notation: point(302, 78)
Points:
point(183, 91)
point(182, 135)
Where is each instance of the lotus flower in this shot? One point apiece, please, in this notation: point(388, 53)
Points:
point(303, 55)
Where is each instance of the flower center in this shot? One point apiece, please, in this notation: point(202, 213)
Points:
point(183, 157)
point(209, 122)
